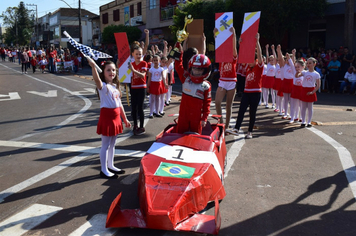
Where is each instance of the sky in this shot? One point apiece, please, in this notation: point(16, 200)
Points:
point(45, 6)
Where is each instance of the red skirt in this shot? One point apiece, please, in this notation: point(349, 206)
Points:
point(277, 83)
point(296, 91)
point(263, 81)
point(155, 88)
point(269, 82)
point(307, 98)
point(287, 85)
point(109, 122)
point(163, 89)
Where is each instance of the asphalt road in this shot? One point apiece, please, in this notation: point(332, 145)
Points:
point(285, 181)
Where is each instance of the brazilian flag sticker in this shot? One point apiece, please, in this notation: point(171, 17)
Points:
point(174, 170)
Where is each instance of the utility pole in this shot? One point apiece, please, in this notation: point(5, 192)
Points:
point(34, 5)
point(349, 24)
point(80, 23)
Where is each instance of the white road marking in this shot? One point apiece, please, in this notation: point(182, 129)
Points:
point(94, 227)
point(18, 187)
point(345, 157)
point(10, 96)
point(69, 148)
point(27, 219)
point(49, 94)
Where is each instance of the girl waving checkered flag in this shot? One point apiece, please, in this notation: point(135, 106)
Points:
point(87, 51)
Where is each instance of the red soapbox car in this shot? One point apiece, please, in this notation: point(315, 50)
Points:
point(179, 175)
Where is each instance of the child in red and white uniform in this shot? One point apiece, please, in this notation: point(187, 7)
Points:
point(33, 62)
point(170, 81)
point(287, 82)
point(138, 89)
point(196, 95)
point(227, 82)
point(42, 63)
point(155, 76)
point(308, 94)
point(164, 84)
point(252, 92)
point(295, 102)
point(277, 84)
point(267, 84)
point(111, 116)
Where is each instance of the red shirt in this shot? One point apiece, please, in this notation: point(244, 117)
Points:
point(228, 71)
point(253, 79)
point(136, 81)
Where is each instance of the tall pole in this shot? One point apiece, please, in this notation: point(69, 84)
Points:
point(80, 23)
point(34, 5)
point(349, 24)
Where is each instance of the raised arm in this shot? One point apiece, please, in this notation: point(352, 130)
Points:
point(267, 52)
point(147, 41)
point(291, 64)
point(280, 56)
point(97, 80)
point(259, 50)
point(165, 48)
point(234, 49)
point(293, 53)
point(274, 54)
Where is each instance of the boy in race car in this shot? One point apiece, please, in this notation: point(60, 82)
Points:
point(196, 97)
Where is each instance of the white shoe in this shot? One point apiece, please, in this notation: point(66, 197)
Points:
point(248, 135)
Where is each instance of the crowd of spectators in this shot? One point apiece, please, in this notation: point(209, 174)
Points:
point(336, 68)
point(51, 56)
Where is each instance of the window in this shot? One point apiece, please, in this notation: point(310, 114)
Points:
point(116, 15)
point(139, 8)
point(105, 18)
point(152, 4)
point(131, 11)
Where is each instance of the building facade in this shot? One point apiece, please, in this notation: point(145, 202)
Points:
point(52, 25)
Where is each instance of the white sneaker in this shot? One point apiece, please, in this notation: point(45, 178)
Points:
point(248, 135)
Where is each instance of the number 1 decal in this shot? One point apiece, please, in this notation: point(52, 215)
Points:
point(179, 154)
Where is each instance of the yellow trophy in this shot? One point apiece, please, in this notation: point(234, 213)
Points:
point(181, 36)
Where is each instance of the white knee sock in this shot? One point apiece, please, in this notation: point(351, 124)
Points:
point(105, 143)
point(303, 111)
point(286, 97)
point(161, 102)
point(111, 154)
point(273, 95)
point(310, 111)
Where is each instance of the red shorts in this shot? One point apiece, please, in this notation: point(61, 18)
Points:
point(277, 83)
point(268, 82)
point(307, 98)
point(109, 122)
point(296, 91)
point(287, 85)
point(155, 88)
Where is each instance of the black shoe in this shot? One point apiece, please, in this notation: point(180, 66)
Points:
point(151, 117)
point(162, 113)
point(309, 125)
point(302, 126)
point(117, 172)
point(156, 115)
point(102, 175)
point(167, 103)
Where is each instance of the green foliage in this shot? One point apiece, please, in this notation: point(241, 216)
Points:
point(133, 33)
point(20, 25)
point(277, 16)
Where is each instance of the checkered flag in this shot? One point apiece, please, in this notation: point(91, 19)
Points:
point(87, 51)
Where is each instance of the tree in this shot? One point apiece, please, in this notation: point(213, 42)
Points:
point(20, 24)
point(133, 33)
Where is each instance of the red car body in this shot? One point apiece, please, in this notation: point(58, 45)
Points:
point(179, 175)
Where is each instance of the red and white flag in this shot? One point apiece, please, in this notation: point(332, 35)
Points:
point(248, 37)
point(223, 38)
point(123, 53)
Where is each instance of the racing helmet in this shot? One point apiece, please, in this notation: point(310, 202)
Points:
point(202, 62)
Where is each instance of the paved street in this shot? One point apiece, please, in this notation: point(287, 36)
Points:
point(285, 181)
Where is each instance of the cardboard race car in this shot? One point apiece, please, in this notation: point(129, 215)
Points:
point(179, 175)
